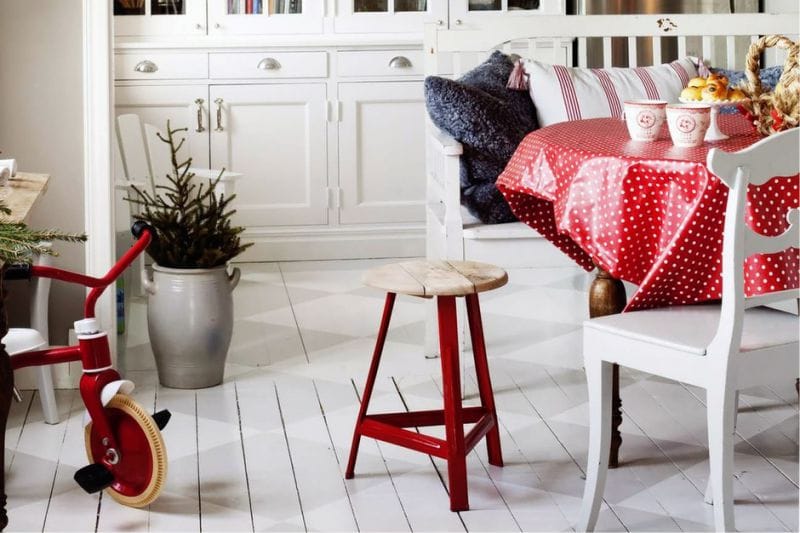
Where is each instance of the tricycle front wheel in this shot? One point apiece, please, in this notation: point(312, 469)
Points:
point(142, 469)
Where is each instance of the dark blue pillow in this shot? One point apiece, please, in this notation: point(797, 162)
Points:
point(490, 121)
point(769, 76)
point(769, 79)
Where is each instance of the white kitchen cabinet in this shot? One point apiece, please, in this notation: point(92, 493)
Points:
point(382, 152)
point(220, 18)
point(318, 103)
point(276, 135)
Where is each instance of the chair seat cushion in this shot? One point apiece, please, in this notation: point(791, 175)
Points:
point(690, 328)
point(19, 340)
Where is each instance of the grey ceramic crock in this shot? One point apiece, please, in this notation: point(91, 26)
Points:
point(190, 322)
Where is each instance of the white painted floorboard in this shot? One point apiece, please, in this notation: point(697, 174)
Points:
point(266, 450)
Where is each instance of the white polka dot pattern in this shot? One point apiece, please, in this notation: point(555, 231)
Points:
point(648, 213)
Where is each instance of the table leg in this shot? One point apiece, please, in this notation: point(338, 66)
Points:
point(6, 388)
point(607, 297)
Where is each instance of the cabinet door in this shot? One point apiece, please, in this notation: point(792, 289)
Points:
point(276, 135)
point(382, 152)
point(159, 17)
point(185, 106)
point(265, 17)
point(470, 14)
point(371, 16)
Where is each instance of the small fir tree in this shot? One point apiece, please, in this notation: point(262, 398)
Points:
point(192, 223)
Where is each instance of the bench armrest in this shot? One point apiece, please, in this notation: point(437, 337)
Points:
point(444, 143)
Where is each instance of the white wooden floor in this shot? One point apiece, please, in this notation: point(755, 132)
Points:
point(267, 449)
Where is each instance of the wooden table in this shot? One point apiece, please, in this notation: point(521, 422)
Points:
point(21, 194)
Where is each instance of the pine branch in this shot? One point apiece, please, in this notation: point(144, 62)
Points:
point(19, 243)
point(193, 224)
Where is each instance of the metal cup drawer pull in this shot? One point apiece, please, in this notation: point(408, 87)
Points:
point(219, 127)
point(268, 63)
point(400, 62)
point(199, 103)
point(146, 67)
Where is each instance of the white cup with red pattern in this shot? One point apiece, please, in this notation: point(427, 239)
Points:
point(688, 123)
point(644, 118)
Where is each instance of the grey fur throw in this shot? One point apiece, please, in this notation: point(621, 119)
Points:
point(490, 121)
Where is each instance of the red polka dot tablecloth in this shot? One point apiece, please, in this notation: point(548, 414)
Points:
point(648, 213)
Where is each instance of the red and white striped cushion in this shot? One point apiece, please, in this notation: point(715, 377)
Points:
point(561, 93)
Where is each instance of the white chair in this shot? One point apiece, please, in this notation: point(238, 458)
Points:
point(20, 340)
point(722, 348)
point(144, 156)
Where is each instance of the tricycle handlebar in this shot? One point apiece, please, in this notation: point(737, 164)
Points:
point(143, 233)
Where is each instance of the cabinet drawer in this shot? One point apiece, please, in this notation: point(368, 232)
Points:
point(269, 65)
point(381, 63)
point(160, 66)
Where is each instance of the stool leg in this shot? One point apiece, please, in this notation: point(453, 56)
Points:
point(373, 371)
point(484, 381)
point(453, 419)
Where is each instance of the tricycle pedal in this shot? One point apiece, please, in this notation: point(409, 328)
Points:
point(94, 478)
point(161, 418)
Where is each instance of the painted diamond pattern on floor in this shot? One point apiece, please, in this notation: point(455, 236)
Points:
point(266, 451)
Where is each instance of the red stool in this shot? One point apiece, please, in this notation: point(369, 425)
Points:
point(446, 280)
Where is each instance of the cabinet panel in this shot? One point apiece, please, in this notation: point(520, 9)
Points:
point(160, 66)
point(269, 65)
point(159, 17)
point(276, 136)
point(382, 152)
point(471, 14)
point(231, 17)
point(387, 16)
point(381, 63)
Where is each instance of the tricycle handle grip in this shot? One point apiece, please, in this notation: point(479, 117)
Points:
point(139, 227)
point(17, 271)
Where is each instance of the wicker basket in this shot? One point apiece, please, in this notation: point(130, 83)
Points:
point(778, 110)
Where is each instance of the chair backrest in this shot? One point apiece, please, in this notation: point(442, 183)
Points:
point(777, 156)
point(160, 156)
point(132, 149)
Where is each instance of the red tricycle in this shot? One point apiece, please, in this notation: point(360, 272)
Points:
point(123, 442)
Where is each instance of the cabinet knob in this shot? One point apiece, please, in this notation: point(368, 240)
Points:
point(459, 22)
point(400, 62)
point(439, 22)
point(217, 26)
point(268, 63)
point(146, 67)
point(199, 27)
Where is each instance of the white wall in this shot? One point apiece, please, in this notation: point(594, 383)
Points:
point(41, 124)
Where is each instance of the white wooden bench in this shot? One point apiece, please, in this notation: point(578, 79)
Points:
point(721, 39)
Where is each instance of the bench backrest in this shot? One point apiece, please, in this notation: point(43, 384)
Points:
point(721, 39)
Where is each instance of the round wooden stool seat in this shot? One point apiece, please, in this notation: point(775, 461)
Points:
point(436, 278)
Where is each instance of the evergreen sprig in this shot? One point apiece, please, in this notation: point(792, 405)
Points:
point(20, 244)
point(192, 223)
